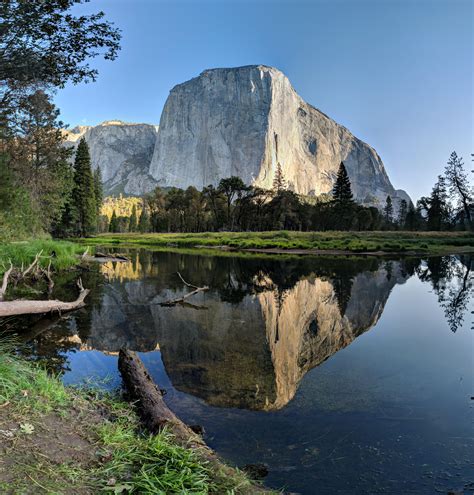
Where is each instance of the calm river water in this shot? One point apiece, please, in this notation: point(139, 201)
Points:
point(343, 375)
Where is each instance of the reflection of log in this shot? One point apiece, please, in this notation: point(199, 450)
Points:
point(24, 307)
point(156, 415)
point(41, 326)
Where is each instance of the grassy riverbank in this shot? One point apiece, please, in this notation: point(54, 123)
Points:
point(62, 254)
point(314, 242)
point(60, 440)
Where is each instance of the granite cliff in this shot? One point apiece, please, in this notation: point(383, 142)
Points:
point(123, 152)
point(240, 121)
point(245, 121)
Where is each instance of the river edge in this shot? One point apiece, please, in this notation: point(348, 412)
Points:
point(58, 439)
point(385, 243)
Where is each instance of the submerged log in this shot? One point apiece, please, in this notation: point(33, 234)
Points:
point(181, 300)
point(156, 415)
point(25, 306)
point(153, 411)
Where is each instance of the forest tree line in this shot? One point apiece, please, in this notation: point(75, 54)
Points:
point(234, 206)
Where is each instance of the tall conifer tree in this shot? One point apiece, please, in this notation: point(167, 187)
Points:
point(279, 182)
point(84, 192)
point(342, 191)
point(133, 220)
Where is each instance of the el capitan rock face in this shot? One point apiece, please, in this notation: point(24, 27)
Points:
point(244, 121)
point(123, 152)
point(241, 121)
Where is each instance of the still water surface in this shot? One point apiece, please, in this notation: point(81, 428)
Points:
point(343, 375)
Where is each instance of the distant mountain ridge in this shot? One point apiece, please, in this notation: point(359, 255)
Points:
point(240, 121)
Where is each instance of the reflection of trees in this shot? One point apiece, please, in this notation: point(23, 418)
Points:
point(452, 281)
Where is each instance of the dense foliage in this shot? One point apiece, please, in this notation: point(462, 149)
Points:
point(233, 206)
point(42, 47)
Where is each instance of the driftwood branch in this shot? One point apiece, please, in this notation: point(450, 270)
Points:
point(47, 274)
point(112, 256)
point(156, 415)
point(3, 288)
point(180, 300)
point(23, 307)
point(186, 283)
point(35, 262)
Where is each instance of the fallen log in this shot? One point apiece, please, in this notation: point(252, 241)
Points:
point(156, 415)
point(112, 256)
point(25, 306)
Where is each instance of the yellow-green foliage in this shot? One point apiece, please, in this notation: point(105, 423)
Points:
point(122, 206)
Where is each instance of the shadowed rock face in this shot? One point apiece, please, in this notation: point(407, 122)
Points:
point(244, 121)
point(122, 151)
point(251, 353)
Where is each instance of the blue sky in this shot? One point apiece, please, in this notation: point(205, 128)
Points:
point(397, 73)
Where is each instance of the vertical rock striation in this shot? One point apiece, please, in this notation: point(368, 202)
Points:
point(244, 121)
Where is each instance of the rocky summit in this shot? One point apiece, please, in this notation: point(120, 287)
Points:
point(123, 151)
point(242, 121)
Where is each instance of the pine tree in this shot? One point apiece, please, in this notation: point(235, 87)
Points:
point(83, 193)
point(459, 186)
point(133, 224)
point(342, 191)
point(388, 209)
point(279, 182)
point(438, 209)
point(114, 223)
point(144, 222)
point(402, 212)
point(98, 191)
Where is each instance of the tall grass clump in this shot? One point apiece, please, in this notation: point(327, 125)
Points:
point(62, 254)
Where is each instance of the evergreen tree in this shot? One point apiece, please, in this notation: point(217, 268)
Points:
point(437, 206)
point(83, 193)
point(133, 224)
point(144, 222)
point(342, 191)
point(402, 213)
point(114, 223)
point(459, 187)
point(279, 182)
point(98, 191)
point(388, 209)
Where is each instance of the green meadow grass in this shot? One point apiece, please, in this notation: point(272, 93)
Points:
point(123, 459)
point(356, 242)
point(62, 254)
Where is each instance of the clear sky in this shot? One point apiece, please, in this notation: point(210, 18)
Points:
point(397, 73)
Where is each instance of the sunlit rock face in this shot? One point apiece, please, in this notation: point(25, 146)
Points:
point(244, 121)
point(123, 152)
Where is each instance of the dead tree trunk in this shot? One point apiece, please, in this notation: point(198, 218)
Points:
point(24, 306)
point(156, 415)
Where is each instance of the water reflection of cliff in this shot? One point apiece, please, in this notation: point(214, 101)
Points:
point(253, 336)
point(263, 324)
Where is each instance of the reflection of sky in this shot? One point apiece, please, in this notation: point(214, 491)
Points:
point(97, 367)
point(392, 410)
